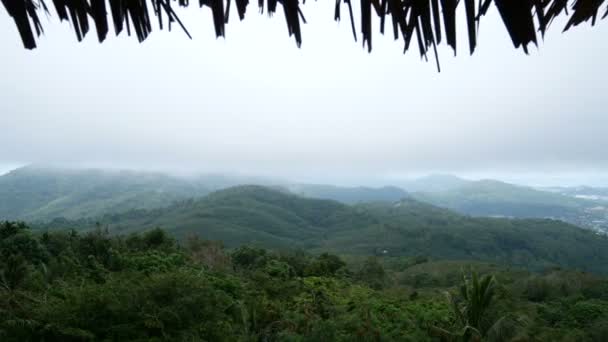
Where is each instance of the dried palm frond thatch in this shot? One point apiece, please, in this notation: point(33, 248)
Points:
point(420, 18)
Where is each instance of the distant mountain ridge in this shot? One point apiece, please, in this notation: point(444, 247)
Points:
point(433, 183)
point(278, 219)
point(490, 197)
point(43, 193)
point(498, 199)
point(349, 195)
point(36, 193)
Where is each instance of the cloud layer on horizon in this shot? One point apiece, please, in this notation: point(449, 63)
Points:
point(327, 110)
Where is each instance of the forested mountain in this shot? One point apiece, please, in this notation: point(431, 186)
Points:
point(277, 219)
point(434, 183)
point(40, 193)
point(498, 199)
point(43, 193)
point(332, 272)
point(243, 214)
point(349, 195)
point(495, 198)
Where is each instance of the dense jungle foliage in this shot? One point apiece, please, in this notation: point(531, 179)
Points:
point(93, 286)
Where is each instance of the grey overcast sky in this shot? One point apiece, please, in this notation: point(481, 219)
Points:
point(255, 103)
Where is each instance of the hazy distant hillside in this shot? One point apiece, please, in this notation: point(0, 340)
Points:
point(349, 195)
point(42, 193)
point(272, 218)
point(595, 194)
point(434, 183)
point(494, 198)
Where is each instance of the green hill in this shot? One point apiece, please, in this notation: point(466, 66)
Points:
point(44, 193)
point(41, 193)
point(414, 228)
point(494, 198)
point(433, 183)
point(244, 214)
point(277, 219)
point(349, 195)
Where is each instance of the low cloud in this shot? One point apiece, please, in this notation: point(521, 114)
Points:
point(326, 111)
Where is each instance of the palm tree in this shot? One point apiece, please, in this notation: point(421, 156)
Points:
point(477, 297)
point(470, 308)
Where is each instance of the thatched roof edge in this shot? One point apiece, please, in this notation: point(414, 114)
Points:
point(427, 22)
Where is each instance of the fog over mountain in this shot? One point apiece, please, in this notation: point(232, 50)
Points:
point(44, 193)
point(413, 182)
point(326, 113)
point(245, 189)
